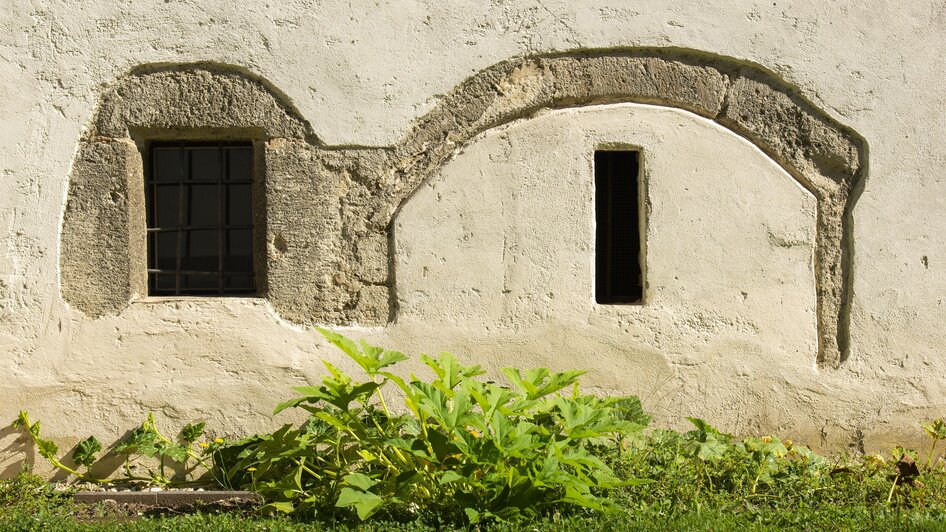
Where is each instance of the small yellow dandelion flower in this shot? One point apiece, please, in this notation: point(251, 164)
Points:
point(766, 439)
point(219, 440)
point(251, 469)
point(204, 444)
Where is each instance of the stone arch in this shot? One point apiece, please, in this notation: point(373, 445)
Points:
point(103, 260)
point(178, 99)
point(825, 157)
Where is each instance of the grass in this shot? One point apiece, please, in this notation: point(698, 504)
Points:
point(57, 515)
point(734, 490)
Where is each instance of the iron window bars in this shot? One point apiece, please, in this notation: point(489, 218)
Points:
point(618, 276)
point(199, 199)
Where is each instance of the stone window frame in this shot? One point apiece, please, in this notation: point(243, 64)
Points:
point(329, 231)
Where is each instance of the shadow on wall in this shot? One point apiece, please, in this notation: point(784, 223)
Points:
point(17, 445)
point(328, 210)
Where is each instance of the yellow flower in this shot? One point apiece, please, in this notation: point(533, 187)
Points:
point(766, 439)
point(251, 469)
point(219, 440)
point(204, 444)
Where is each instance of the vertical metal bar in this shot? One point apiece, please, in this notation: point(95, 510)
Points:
point(638, 225)
point(221, 216)
point(180, 219)
point(153, 238)
point(609, 288)
point(255, 227)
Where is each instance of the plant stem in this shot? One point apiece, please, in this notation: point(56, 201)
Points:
point(308, 470)
point(892, 487)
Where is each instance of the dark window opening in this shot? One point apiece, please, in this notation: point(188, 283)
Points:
point(199, 199)
point(617, 239)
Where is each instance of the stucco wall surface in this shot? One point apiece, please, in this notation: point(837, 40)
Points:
point(501, 243)
point(361, 73)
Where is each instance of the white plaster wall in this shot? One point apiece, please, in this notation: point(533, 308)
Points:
point(504, 238)
point(360, 72)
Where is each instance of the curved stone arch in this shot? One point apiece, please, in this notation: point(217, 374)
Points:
point(826, 158)
point(175, 99)
point(103, 261)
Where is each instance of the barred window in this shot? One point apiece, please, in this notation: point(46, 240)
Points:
point(618, 276)
point(199, 198)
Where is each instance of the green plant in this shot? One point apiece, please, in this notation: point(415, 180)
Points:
point(937, 430)
point(147, 441)
point(464, 449)
point(144, 441)
point(84, 455)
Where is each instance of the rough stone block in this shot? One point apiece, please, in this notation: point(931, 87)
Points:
point(372, 256)
point(195, 97)
point(373, 306)
point(791, 130)
point(620, 78)
point(97, 247)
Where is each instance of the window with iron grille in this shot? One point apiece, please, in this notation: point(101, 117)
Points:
point(618, 276)
point(199, 198)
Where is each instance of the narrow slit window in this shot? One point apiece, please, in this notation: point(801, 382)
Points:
point(200, 219)
point(618, 238)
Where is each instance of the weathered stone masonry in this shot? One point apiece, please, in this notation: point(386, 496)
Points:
point(326, 213)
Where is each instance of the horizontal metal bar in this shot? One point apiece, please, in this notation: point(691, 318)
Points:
point(201, 291)
point(177, 182)
point(201, 144)
point(230, 273)
point(198, 228)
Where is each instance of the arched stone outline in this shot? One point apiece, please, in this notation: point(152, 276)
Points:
point(826, 158)
point(328, 211)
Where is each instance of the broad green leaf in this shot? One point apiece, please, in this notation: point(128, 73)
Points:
point(279, 506)
point(539, 382)
point(367, 455)
point(449, 371)
point(292, 403)
point(142, 440)
point(711, 449)
point(704, 427)
point(47, 448)
point(178, 453)
point(450, 476)
point(381, 358)
point(370, 358)
point(768, 445)
point(84, 453)
point(347, 346)
point(936, 429)
point(576, 496)
point(358, 480)
point(365, 503)
point(192, 431)
point(22, 420)
point(472, 515)
point(630, 409)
